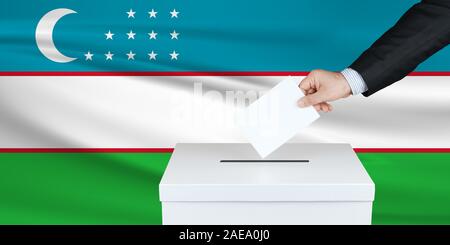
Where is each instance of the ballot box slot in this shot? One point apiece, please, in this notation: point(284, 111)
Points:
point(265, 161)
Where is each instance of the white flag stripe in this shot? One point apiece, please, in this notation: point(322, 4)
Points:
point(119, 111)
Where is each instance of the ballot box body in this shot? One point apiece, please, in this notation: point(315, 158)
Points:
point(297, 184)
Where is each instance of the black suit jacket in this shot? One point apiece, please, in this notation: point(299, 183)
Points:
point(421, 31)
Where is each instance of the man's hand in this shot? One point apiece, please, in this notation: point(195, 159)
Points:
point(321, 87)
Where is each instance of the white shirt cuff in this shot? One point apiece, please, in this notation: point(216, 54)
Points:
point(355, 81)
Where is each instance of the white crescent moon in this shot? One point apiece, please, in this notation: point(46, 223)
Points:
point(44, 35)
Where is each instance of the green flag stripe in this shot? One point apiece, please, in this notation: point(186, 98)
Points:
point(122, 188)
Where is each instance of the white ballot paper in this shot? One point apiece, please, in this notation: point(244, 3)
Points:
point(274, 118)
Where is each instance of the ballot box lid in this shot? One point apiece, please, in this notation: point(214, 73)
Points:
point(295, 172)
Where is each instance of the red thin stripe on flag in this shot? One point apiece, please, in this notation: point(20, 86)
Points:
point(153, 73)
point(170, 150)
point(402, 150)
point(185, 73)
point(86, 150)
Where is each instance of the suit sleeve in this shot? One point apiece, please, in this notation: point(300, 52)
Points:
point(421, 31)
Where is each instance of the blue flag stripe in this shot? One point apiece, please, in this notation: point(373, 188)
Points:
point(220, 35)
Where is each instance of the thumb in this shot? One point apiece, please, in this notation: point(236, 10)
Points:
point(312, 99)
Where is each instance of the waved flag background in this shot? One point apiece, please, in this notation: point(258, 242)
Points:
point(87, 141)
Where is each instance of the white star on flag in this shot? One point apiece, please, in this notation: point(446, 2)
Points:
point(109, 35)
point(152, 35)
point(152, 55)
point(174, 13)
point(174, 35)
point(131, 13)
point(88, 55)
point(131, 55)
point(109, 55)
point(131, 34)
point(152, 13)
point(174, 55)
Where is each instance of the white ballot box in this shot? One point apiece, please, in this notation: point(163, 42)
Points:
point(297, 184)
